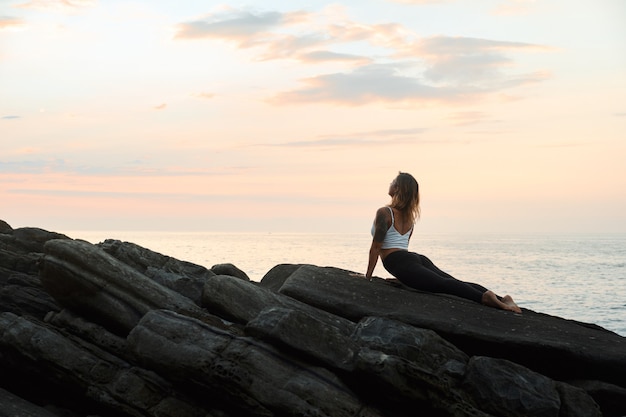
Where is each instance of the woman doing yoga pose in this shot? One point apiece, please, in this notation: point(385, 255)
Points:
point(391, 231)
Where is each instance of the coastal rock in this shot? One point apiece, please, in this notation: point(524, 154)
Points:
point(303, 332)
point(92, 283)
point(229, 269)
point(5, 228)
point(499, 384)
point(117, 330)
point(250, 377)
point(546, 344)
point(183, 277)
point(27, 239)
point(21, 291)
point(241, 301)
point(12, 405)
point(275, 277)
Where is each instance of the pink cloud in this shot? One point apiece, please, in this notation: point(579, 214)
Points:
point(410, 68)
point(58, 5)
point(8, 22)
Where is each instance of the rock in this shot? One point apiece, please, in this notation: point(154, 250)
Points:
point(181, 276)
point(275, 277)
point(498, 384)
point(117, 330)
point(305, 333)
point(241, 301)
point(92, 283)
point(5, 228)
point(229, 269)
point(249, 377)
point(414, 344)
point(24, 295)
point(13, 406)
point(610, 397)
point(576, 402)
point(88, 331)
point(546, 344)
point(78, 374)
point(21, 291)
point(28, 239)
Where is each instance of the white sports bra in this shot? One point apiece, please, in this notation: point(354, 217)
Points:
point(393, 238)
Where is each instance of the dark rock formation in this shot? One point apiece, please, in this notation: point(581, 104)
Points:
point(229, 269)
point(115, 329)
point(180, 276)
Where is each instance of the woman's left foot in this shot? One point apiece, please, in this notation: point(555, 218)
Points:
point(508, 300)
point(507, 303)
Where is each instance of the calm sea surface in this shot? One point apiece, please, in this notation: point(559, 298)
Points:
point(579, 277)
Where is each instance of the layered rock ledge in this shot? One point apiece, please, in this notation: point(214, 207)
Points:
point(115, 329)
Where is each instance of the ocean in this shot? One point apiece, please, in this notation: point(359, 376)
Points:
point(575, 276)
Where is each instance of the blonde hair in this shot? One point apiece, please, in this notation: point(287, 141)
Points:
point(407, 197)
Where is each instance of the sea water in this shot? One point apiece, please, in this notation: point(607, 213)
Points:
point(578, 277)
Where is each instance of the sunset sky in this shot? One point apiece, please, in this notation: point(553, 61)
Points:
point(295, 115)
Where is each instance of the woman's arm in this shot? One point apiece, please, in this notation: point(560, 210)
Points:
point(381, 225)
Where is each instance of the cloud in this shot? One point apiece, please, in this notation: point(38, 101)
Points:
point(265, 30)
point(161, 106)
point(458, 45)
point(29, 166)
point(25, 161)
point(443, 69)
point(406, 68)
point(623, 114)
point(371, 138)
point(231, 24)
point(328, 56)
point(65, 6)
point(10, 117)
point(462, 60)
point(295, 35)
point(100, 194)
point(372, 83)
point(11, 23)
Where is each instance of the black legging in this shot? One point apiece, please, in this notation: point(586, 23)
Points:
point(417, 271)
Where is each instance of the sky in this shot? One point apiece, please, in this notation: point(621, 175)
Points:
point(295, 116)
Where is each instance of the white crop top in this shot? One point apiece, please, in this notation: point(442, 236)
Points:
point(393, 238)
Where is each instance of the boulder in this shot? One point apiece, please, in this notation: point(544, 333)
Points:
point(27, 239)
point(241, 301)
point(92, 283)
point(229, 269)
point(21, 291)
point(183, 277)
point(5, 228)
point(498, 384)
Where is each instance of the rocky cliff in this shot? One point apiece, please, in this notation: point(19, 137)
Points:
point(115, 329)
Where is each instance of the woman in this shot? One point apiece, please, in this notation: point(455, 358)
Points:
point(392, 229)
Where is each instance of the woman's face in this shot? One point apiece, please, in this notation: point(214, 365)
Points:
point(393, 187)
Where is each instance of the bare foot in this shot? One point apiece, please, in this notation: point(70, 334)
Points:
point(490, 299)
point(508, 300)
